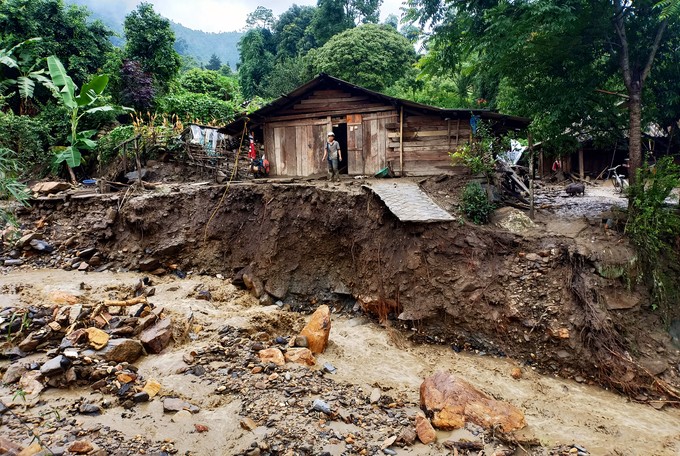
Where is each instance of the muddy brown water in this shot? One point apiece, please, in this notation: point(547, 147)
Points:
point(557, 411)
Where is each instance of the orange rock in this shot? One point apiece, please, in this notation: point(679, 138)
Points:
point(302, 356)
point(30, 450)
point(318, 330)
point(453, 401)
point(97, 338)
point(272, 355)
point(61, 297)
point(80, 447)
point(201, 428)
point(516, 373)
point(424, 429)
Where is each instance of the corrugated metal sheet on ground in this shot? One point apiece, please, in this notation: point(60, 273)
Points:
point(408, 202)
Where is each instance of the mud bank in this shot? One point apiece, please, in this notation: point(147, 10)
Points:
point(555, 303)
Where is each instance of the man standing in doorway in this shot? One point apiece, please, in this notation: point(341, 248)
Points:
point(333, 154)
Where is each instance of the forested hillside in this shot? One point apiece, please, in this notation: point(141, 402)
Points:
point(192, 43)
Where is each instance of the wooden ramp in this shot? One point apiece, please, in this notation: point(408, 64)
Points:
point(408, 202)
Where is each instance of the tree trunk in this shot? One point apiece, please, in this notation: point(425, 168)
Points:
point(634, 133)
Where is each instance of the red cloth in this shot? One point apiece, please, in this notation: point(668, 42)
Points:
point(252, 153)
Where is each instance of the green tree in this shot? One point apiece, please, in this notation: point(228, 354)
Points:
point(330, 18)
point(257, 59)
point(373, 56)
point(286, 75)
point(208, 82)
point(214, 64)
point(260, 18)
point(150, 41)
point(293, 33)
point(66, 31)
point(552, 59)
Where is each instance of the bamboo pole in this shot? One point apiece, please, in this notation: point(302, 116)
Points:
point(531, 176)
point(401, 141)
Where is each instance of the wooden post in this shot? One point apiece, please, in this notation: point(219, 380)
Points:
point(457, 133)
point(401, 142)
point(581, 170)
point(139, 165)
point(531, 176)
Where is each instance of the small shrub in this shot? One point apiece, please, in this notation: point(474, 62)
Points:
point(106, 146)
point(653, 227)
point(475, 204)
point(28, 137)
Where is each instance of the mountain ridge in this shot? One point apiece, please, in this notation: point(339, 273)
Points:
point(188, 42)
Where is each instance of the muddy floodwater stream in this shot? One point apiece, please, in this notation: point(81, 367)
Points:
point(365, 354)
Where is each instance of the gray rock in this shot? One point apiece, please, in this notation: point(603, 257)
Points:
point(14, 373)
point(13, 262)
point(41, 246)
point(173, 404)
point(321, 406)
point(121, 350)
point(54, 366)
point(90, 409)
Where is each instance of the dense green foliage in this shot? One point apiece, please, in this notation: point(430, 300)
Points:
point(28, 137)
point(475, 204)
point(10, 187)
point(195, 107)
point(66, 32)
point(208, 82)
point(373, 56)
point(107, 146)
point(654, 227)
point(560, 63)
point(150, 41)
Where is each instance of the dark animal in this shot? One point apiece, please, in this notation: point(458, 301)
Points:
point(576, 188)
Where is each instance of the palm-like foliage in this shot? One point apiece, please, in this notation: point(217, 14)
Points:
point(10, 188)
point(671, 8)
point(26, 65)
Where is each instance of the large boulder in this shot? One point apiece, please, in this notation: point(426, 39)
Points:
point(302, 356)
point(453, 401)
point(318, 330)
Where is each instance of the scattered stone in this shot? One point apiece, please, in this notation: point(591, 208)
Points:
point(41, 246)
point(302, 356)
point(266, 300)
point(516, 373)
point(248, 424)
point(407, 436)
point(300, 341)
point(81, 447)
point(121, 350)
point(14, 373)
point(424, 429)
point(48, 188)
point(31, 450)
point(54, 366)
point(375, 395)
point(84, 266)
point(97, 338)
point(157, 337)
point(328, 367)
point(318, 330)
point(148, 264)
point(142, 396)
point(204, 295)
point(90, 409)
point(182, 415)
point(277, 287)
point(200, 428)
point(254, 284)
point(173, 404)
point(453, 401)
point(30, 382)
point(13, 262)
point(388, 442)
point(321, 406)
point(272, 355)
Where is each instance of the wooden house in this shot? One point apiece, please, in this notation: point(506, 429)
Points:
point(374, 130)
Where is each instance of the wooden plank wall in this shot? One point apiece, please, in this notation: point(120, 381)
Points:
point(331, 102)
point(427, 143)
point(375, 141)
point(295, 148)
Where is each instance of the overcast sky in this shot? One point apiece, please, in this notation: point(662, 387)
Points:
point(227, 15)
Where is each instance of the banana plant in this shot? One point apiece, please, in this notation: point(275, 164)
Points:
point(29, 74)
point(89, 93)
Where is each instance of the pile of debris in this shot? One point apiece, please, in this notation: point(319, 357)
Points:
point(91, 344)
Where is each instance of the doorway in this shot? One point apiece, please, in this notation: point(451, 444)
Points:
point(340, 131)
